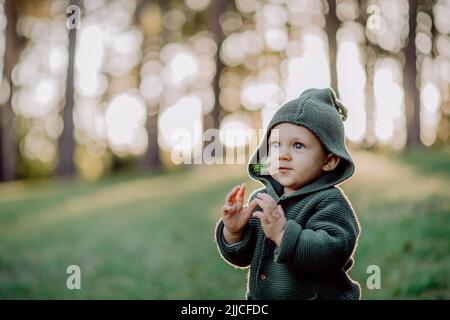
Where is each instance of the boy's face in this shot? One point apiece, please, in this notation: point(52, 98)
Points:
point(296, 156)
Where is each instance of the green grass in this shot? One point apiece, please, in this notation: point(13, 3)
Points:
point(151, 237)
point(403, 205)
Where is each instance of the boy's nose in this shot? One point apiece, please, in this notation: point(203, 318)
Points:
point(284, 157)
point(284, 154)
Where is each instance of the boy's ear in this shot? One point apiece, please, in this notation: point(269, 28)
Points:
point(331, 162)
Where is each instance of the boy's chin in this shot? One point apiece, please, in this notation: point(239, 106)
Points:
point(286, 182)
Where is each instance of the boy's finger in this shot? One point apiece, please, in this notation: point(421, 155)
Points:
point(258, 214)
point(261, 198)
point(231, 194)
point(265, 197)
point(226, 209)
point(241, 192)
point(281, 210)
point(261, 203)
point(251, 206)
point(240, 196)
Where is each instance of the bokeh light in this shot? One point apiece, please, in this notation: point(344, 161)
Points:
point(125, 120)
point(156, 62)
point(180, 125)
point(235, 130)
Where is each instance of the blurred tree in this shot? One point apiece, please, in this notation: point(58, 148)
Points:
point(332, 25)
point(216, 10)
point(371, 51)
point(410, 80)
point(150, 19)
point(66, 143)
point(8, 146)
point(443, 130)
point(443, 127)
point(212, 120)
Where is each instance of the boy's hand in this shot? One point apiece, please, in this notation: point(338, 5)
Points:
point(234, 215)
point(273, 220)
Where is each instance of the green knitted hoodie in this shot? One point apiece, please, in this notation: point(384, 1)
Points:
point(321, 230)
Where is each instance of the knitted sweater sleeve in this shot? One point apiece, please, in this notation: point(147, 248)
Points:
point(327, 241)
point(239, 254)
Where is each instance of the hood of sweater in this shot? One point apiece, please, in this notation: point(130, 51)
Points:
point(323, 114)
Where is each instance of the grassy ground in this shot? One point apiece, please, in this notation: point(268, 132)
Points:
point(151, 237)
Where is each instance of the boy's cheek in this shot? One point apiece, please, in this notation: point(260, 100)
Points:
point(273, 167)
point(273, 162)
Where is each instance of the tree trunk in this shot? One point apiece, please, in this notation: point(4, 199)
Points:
point(443, 126)
point(332, 25)
point(412, 98)
point(215, 12)
point(66, 144)
point(212, 120)
point(370, 138)
point(151, 160)
point(8, 147)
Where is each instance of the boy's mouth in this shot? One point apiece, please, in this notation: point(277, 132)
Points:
point(284, 169)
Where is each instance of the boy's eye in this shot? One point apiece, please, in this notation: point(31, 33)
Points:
point(275, 144)
point(298, 145)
